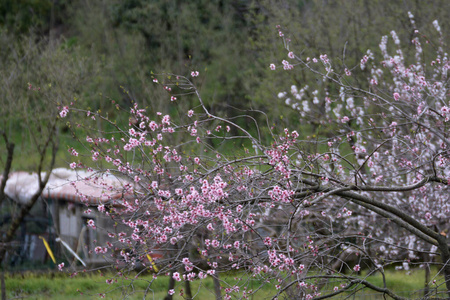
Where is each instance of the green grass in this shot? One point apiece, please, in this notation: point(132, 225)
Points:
point(90, 286)
point(60, 286)
point(408, 283)
point(56, 286)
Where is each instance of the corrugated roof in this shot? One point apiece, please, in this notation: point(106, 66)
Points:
point(76, 186)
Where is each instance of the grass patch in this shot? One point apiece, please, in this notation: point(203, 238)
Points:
point(92, 286)
point(61, 286)
point(409, 284)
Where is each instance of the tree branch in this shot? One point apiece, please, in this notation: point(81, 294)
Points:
point(9, 159)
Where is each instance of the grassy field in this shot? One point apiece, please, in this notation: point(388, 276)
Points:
point(59, 286)
point(90, 286)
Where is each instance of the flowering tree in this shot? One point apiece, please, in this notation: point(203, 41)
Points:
point(396, 153)
point(366, 189)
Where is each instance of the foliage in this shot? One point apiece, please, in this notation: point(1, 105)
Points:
point(37, 75)
point(230, 42)
point(20, 16)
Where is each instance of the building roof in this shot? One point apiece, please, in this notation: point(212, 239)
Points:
point(77, 186)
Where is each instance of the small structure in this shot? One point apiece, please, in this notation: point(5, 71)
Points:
point(70, 199)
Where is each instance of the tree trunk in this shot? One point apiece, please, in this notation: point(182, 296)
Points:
point(16, 223)
point(447, 275)
point(187, 285)
point(445, 256)
point(10, 149)
point(217, 287)
point(41, 183)
point(171, 287)
point(3, 285)
point(426, 289)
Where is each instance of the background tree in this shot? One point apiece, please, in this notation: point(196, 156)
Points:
point(229, 41)
point(36, 77)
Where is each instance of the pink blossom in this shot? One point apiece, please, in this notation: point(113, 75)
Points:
point(91, 223)
point(73, 152)
point(176, 276)
point(194, 73)
point(363, 62)
point(324, 58)
point(186, 261)
point(345, 119)
point(396, 96)
point(61, 266)
point(165, 120)
point(236, 244)
point(356, 268)
point(272, 67)
point(153, 125)
point(64, 111)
